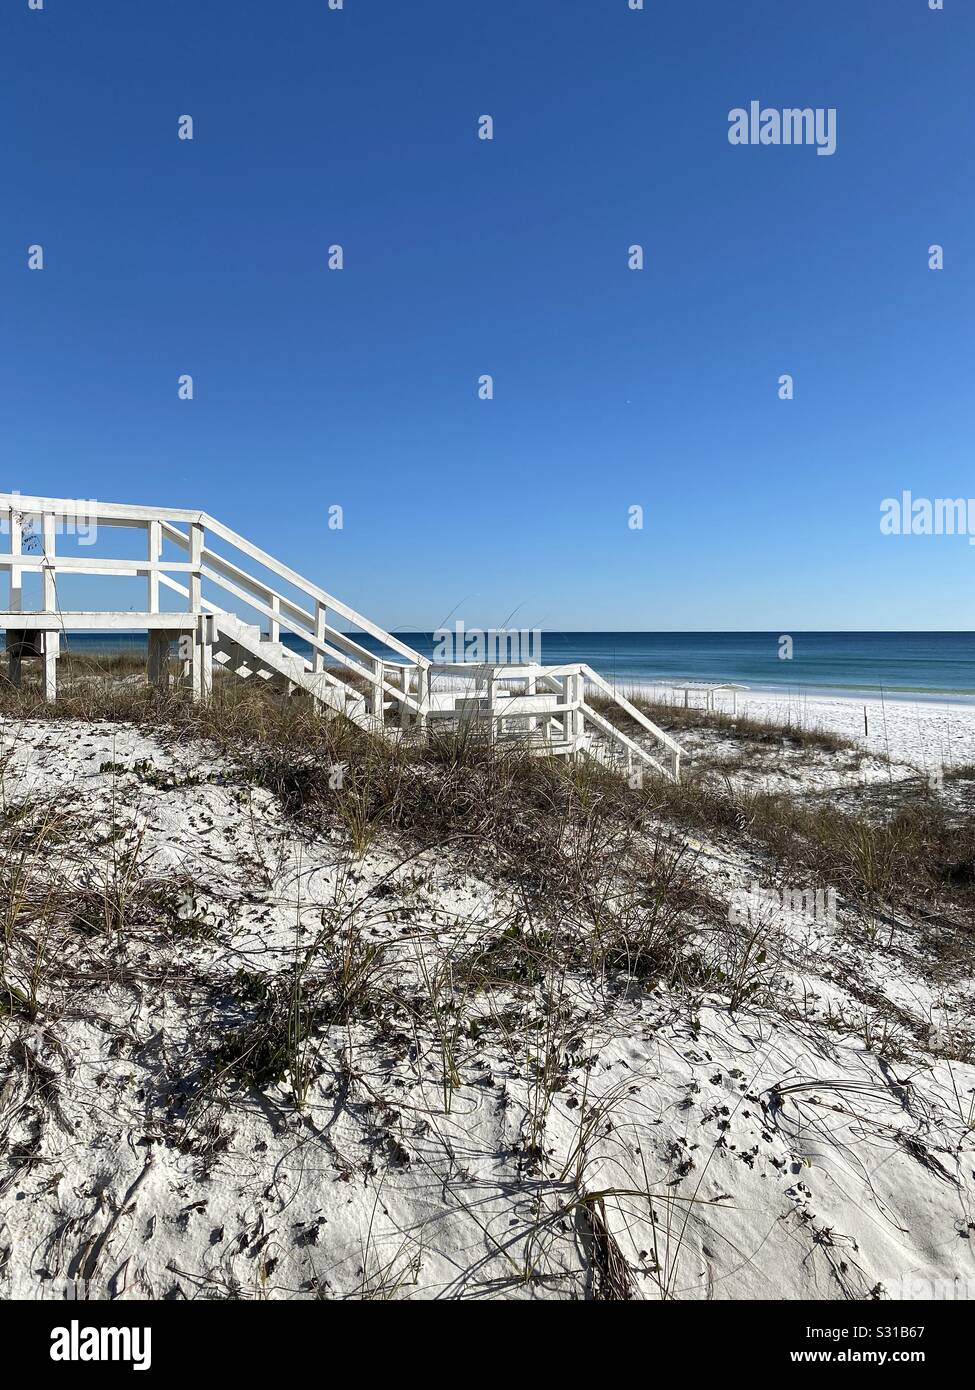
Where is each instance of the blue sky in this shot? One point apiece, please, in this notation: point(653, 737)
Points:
point(462, 257)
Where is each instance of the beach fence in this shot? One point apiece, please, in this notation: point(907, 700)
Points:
point(180, 562)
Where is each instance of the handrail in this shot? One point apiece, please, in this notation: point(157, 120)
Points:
point(281, 609)
point(96, 511)
point(84, 564)
point(611, 731)
point(257, 589)
point(632, 710)
point(116, 512)
point(321, 595)
point(551, 693)
point(388, 689)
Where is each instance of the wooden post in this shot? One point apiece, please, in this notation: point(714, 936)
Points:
point(16, 573)
point(196, 673)
point(318, 658)
point(154, 555)
point(50, 583)
point(494, 728)
point(203, 663)
point(15, 658)
point(196, 560)
point(159, 659)
point(52, 645)
point(571, 722)
point(405, 718)
point(274, 626)
point(14, 665)
point(206, 670)
point(549, 687)
point(422, 696)
point(377, 692)
point(191, 649)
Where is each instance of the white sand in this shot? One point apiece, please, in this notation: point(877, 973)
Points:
point(925, 733)
point(773, 1151)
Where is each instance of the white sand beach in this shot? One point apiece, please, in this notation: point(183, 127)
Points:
point(923, 733)
point(802, 1126)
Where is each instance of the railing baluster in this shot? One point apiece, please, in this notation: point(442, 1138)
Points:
point(155, 555)
point(377, 692)
point(196, 560)
point(16, 573)
point(50, 581)
point(321, 616)
point(422, 696)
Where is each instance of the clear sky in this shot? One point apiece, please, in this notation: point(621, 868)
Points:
point(613, 387)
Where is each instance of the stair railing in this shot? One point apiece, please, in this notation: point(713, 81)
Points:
point(406, 684)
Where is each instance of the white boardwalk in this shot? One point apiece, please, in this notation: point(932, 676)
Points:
point(546, 707)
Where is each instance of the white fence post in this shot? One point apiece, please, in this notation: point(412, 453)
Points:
point(422, 696)
point(196, 560)
point(16, 573)
point(50, 583)
point(318, 658)
point(531, 689)
point(203, 682)
point(155, 555)
point(377, 693)
point(571, 722)
point(52, 650)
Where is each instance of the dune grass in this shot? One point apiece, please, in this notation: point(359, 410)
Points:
point(601, 885)
point(674, 719)
point(548, 823)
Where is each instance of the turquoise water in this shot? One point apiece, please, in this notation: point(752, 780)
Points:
point(918, 664)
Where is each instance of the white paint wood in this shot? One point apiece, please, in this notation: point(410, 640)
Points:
point(16, 574)
point(154, 553)
point(547, 701)
point(49, 573)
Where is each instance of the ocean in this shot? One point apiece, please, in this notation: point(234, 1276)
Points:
point(916, 664)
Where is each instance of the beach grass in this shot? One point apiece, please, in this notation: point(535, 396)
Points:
point(596, 894)
point(676, 719)
point(458, 788)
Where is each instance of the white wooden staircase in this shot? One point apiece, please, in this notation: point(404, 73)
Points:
point(547, 708)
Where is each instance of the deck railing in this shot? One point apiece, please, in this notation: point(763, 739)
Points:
point(191, 532)
point(548, 702)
